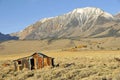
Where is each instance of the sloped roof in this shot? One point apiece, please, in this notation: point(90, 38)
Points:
point(40, 54)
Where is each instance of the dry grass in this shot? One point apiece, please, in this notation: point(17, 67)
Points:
point(83, 65)
point(27, 46)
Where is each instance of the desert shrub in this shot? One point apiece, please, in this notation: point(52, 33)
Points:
point(102, 48)
point(117, 77)
point(118, 48)
point(82, 46)
point(72, 49)
point(98, 46)
point(70, 68)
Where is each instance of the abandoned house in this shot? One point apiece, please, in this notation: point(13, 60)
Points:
point(35, 61)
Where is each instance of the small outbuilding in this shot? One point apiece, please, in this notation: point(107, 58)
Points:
point(35, 61)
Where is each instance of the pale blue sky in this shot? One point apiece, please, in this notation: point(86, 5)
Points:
point(15, 15)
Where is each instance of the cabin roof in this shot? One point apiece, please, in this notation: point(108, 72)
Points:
point(40, 54)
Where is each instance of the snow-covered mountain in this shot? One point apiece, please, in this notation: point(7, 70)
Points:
point(79, 23)
point(118, 15)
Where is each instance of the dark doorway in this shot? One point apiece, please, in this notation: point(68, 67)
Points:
point(52, 61)
point(19, 62)
point(32, 64)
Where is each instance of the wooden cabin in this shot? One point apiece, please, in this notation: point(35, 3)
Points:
point(35, 61)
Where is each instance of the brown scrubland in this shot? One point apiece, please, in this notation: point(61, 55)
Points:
point(75, 65)
point(89, 59)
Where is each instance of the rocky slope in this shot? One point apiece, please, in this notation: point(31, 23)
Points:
point(117, 15)
point(79, 23)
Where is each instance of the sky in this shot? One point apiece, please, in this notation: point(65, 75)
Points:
point(16, 15)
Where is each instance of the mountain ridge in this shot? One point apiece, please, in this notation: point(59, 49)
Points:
point(117, 15)
point(4, 37)
point(81, 22)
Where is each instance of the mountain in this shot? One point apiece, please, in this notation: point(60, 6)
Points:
point(4, 37)
point(117, 15)
point(80, 23)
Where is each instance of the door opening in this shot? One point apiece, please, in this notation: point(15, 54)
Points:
point(32, 64)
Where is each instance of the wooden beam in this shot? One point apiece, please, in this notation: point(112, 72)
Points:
point(35, 65)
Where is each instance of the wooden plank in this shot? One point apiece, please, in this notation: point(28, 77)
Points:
point(35, 64)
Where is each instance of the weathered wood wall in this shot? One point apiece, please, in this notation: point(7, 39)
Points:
point(39, 62)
